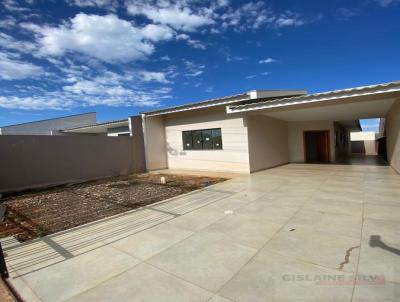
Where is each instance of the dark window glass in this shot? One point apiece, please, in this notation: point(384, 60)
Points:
point(197, 140)
point(187, 140)
point(207, 139)
point(217, 138)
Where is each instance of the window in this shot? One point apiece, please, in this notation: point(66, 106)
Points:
point(207, 139)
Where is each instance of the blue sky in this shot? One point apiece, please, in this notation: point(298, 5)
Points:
point(122, 57)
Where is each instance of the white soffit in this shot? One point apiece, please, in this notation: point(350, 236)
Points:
point(334, 112)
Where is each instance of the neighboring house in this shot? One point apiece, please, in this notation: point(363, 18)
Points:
point(261, 129)
point(49, 126)
point(111, 128)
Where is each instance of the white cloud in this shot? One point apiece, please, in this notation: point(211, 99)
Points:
point(177, 14)
point(106, 38)
point(288, 21)
point(157, 32)
point(235, 58)
point(345, 13)
point(194, 43)
point(267, 61)
point(14, 6)
point(8, 22)
point(149, 76)
point(8, 42)
point(165, 58)
point(252, 76)
point(253, 15)
point(29, 103)
point(193, 69)
point(209, 89)
point(386, 3)
point(112, 4)
point(15, 69)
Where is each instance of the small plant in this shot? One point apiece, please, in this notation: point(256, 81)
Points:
point(41, 231)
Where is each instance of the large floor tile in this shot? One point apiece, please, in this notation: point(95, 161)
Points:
point(335, 252)
point(243, 229)
point(382, 198)
point(272, 277)
point(248, 195)
point(387, 230)
point(144, 283)
point(383, 212)
point(66, 279)
point(197, 220)
point(376, 291)
point(150, 242)
point(273, 211)
point(333, 206)
point(218, 298)
point(380, 258)
point(339, 195)
point(329, 223)
point(49, 250)
point(204, 260)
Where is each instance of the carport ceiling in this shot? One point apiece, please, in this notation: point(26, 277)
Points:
point(338, 111)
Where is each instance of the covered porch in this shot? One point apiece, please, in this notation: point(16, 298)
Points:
point(317, 128)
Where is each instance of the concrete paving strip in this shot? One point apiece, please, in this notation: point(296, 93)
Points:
point(294, 233)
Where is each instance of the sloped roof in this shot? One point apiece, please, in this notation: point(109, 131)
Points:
point(318, 97)
point(247, 96)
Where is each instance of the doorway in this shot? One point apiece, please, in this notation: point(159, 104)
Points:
point(316, 146)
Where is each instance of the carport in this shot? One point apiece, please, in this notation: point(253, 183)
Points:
point(319, 125)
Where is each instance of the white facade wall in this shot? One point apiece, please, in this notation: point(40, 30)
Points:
point(234, 157)
point(268, 142)
point(296, 138)
point(155, 143)
point(393, 136)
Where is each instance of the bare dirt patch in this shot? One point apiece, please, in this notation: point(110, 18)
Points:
point(39, 213)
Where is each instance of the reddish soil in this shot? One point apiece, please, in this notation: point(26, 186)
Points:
point(38, 213)
point(5, 294)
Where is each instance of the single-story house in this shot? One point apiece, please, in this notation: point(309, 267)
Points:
point(261, 129)
point(122, 127)
point(52, 126)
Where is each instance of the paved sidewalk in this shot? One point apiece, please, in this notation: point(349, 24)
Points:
point(294, 233)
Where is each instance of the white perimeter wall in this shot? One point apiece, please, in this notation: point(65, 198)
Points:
point(393, 136)
point(295, 138)
point(235, 154)
point(268, 142)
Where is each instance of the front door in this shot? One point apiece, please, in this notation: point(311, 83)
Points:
point(316, 146)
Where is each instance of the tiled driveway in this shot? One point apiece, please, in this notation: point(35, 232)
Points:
point(293, 233)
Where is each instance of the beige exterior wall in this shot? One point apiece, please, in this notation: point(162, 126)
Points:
point(268, 142)
point(35, 161)
point(295, 138)
point(393, 136)
point(155, 143)
point(233, 158)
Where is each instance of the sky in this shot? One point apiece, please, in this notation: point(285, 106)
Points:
point(118, 58)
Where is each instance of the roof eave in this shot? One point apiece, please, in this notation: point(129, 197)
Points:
point(111, 123)
point(318, 97)
point(200, 105)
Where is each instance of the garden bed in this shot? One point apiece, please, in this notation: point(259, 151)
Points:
point(38, 213)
